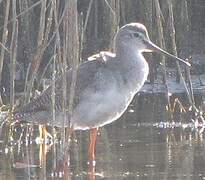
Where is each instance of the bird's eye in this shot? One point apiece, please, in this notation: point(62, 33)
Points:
point(136, 35)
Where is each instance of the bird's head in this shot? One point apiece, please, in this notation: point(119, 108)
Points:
point(135, 35)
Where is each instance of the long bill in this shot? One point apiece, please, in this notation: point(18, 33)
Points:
point(153, 47)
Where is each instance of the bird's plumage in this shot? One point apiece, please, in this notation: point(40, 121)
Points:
point(105, 85)
point(43, 104)
point(91, 107)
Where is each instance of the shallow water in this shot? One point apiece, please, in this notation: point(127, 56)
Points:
point(141, 145)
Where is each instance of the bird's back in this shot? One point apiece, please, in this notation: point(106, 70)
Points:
point(39, 110)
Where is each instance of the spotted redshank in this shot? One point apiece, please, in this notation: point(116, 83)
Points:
point(105, 86)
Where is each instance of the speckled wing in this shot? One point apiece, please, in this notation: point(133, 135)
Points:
point(40, 109)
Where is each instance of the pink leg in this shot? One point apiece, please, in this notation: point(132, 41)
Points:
point(91, 150)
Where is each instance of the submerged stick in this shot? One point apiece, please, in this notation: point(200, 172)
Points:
point(41, 41)
point(162, 44)
point(3, 41)
point(161, 37)
point(191, 101)
point(13, 49)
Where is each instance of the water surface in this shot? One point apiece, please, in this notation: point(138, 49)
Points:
point(142, 145)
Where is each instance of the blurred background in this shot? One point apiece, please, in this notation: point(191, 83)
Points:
point(161, 136)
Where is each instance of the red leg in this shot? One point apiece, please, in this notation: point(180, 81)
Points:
point(91, 150)
point(70, 133)
point(91, 172)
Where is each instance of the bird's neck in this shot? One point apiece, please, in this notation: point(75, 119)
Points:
point(134, 68)
point(130, 56)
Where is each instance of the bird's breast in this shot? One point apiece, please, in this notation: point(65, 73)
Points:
point(135, 77)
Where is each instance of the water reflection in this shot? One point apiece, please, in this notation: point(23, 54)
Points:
point(141, 145)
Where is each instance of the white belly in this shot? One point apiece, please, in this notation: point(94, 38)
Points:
point(99, 110)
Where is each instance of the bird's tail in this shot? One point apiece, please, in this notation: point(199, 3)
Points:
point(8, 117)
point(23, 116)
point(32, 117)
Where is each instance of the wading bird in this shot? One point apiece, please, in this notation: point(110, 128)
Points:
point(105, 86)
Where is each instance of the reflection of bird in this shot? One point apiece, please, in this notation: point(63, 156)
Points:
point(105, 85)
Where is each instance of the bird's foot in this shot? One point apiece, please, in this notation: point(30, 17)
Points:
point(45, 137)
point(91, 163)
